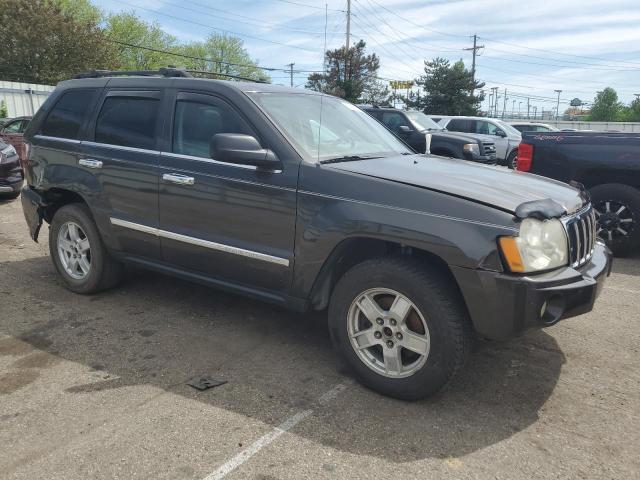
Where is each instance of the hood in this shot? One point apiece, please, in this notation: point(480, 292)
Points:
point(496, 186)
point(463, 137)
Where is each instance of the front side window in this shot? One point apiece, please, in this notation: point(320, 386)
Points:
point(321, 127)
point(394, 121)
point(68, 114)
point(128, 121)
point(486, 128)
point(196, 123)
point(422, 121)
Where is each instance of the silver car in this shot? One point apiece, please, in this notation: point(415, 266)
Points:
point(505, 137)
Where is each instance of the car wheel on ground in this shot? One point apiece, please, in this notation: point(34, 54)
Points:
point(617, 207)
point(402, 327)
point(78, 251)
point(512, 160)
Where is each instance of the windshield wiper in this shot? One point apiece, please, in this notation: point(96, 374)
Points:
point(346, 158)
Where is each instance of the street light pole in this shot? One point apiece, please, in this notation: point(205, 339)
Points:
point(558, 104)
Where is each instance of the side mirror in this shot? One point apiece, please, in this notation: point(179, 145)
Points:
point(500, 133)
point(242, 149)
point(405, 129)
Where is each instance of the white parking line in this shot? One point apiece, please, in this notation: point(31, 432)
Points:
point(268, 438)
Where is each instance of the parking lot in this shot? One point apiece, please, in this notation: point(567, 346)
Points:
point(96, 386)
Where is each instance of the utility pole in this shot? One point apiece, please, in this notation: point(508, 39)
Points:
point(291, 71)
point(504, 103)
point(495, 100)
point(474, 49)
point(513, 108)
point(528, 108)
point(558, 104)
point(346, 50)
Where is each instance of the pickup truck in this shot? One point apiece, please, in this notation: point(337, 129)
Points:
point(606, 164)
point(304, 200)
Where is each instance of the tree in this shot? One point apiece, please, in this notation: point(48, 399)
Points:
point(447, 89)
point(126, 29)
point(220, 54)
point(81, 10)
point(4, 113)
point(606, 107)
point(349, 74)
point(43, 42)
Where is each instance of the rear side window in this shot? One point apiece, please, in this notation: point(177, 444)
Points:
point(460, 125)
point(128, 121)
point(196, 123)
point(68, 114)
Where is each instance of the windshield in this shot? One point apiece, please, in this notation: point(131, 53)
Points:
point(340, 130)
point(422, 122)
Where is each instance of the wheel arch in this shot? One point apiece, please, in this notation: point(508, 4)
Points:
point(354, 250)
point(56, 198)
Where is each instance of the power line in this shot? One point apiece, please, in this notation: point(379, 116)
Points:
point(559, 53)
point(300, 4)
point(213, 28)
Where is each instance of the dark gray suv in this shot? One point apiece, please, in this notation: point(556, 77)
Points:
point(304, 200)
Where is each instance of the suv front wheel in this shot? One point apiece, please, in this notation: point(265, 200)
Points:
point(402, 328)
point(78, 252)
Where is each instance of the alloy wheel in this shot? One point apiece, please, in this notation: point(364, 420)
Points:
point(615, 219)
point(74, 250)
point(388, 332)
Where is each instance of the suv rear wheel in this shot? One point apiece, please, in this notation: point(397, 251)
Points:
point(78, 252)
point(512, 160)
point(401, 327)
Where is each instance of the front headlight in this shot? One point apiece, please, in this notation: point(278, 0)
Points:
point(541, 245)
point(472, 148)
point(7, 153)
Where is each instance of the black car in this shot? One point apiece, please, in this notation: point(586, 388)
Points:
point(304, 200)
point(10, 171)
point(605, 163)
point(412, 127)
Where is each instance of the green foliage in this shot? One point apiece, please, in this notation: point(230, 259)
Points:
point(447, 89)
point(220, 54)
point(81, 10)
point(129, 29)
point(42, 41)
point(350, 75)
point(4, 112)
point(606, 107)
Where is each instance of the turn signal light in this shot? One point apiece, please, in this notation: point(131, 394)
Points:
point(525, 157)
point(511, 254)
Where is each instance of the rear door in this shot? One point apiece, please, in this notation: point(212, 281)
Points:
point(234, 223)
point(121, 153)
point(488, 128)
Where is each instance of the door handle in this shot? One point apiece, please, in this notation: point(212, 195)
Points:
point(90, 163)
point(179, 179)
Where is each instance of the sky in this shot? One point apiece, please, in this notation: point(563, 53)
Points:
point(530, 48)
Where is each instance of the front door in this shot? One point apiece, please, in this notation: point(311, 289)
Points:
point(232, 223)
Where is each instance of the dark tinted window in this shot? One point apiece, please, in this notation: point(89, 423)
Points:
point(14, 127)
point(393, 121)
point(196, 123)
point(66, 117)
point(459, 125)
point(128, 121)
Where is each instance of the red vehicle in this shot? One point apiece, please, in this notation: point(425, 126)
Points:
point(12, 133)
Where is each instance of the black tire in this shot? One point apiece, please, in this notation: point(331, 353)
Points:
point(439, 302)
point(629, 219)
point(105, 272)
point(512, 159)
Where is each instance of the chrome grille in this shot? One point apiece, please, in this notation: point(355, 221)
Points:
point(489, 149)
point(581, 230)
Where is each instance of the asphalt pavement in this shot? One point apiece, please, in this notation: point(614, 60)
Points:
point(97, 387)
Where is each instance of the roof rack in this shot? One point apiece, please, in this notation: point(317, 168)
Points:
point(169, 72)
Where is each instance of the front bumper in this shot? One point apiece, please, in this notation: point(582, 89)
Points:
point(10, 177)
point(505, 305)
point(486, 159)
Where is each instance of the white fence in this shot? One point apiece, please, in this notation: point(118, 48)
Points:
point(23, 98)
point(586, 125)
